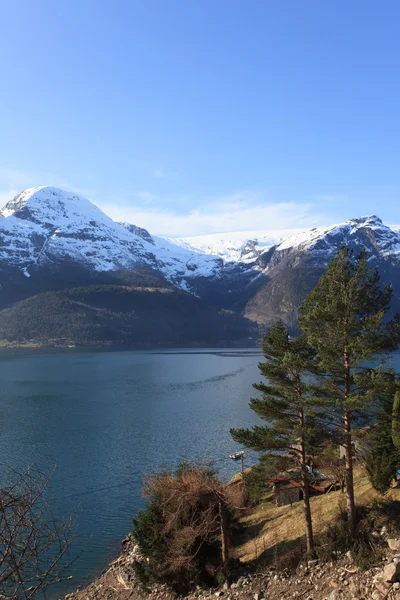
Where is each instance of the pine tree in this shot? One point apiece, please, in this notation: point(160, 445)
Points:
point(344, 321)
point(382, 460)
point(285, 404)
point(382, 455)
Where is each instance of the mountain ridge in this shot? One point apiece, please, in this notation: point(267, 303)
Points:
point(52, 240)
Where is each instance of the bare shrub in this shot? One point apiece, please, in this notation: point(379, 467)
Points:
point(34, 544)
point(184, 532)
point(237, 495)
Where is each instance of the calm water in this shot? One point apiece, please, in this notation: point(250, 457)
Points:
point(105, 418)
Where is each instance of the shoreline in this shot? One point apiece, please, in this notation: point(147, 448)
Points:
point(312, 579)
point(129, 348)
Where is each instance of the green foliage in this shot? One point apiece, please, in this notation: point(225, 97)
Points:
point(287, 405)
point(344, 321)
point(382, 460)
point(345, 316)
point(284, 395)
point(148, 532)
point(381, 469)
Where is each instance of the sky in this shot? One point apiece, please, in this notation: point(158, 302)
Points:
point(198, 116)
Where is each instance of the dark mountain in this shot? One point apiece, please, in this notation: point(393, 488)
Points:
point(121, 315)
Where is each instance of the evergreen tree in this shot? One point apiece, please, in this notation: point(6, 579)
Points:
point(382, 460)
point(382, 455)
point(344, 321)
point(285, 404)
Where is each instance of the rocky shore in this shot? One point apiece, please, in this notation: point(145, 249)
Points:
point(314, 580)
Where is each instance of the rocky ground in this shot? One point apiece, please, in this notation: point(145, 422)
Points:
point(339, 580)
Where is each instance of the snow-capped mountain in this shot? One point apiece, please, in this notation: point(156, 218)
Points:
point(294, 266)
point(247, 246)
point(368, 232)
point(56, 240)
point(45, 225)
point(238, 246)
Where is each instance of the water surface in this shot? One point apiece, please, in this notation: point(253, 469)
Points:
point(104, 419)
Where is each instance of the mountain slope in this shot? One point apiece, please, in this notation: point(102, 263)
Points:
point(48, 227)
point(121, 315)
point(296, 264)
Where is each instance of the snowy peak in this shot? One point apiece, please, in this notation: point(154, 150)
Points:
point(51, 206)
point(49, 226)
point(248, 246)
point(243, 246)
point(369, 232)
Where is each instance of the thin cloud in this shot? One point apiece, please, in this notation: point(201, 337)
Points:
point(228, 214)
point(240, 211)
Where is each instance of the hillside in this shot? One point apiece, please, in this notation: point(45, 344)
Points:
point(266, 542)
point(121, 315)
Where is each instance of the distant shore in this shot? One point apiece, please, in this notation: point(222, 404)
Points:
point(7, 345)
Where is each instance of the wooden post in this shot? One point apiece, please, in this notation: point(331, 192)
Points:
point(224, 531)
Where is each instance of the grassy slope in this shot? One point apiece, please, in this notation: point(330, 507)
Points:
point(269, 527)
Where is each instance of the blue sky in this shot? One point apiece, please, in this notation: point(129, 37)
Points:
point(200, 116)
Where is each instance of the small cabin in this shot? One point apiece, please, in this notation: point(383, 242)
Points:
point(286, 491)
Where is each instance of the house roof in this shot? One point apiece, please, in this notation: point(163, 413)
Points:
point(294, 483)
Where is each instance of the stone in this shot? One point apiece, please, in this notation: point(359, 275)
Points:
point(312, 563)
point(334, 595)
point(394, 543)
point(391, 572)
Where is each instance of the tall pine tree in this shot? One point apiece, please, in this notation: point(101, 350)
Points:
point(284, 404)
point(344, 321)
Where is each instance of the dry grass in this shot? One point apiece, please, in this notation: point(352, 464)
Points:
point(269, 526)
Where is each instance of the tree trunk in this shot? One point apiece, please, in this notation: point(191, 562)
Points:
point(306, 491)
point(351, 509)
point(224, 531)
